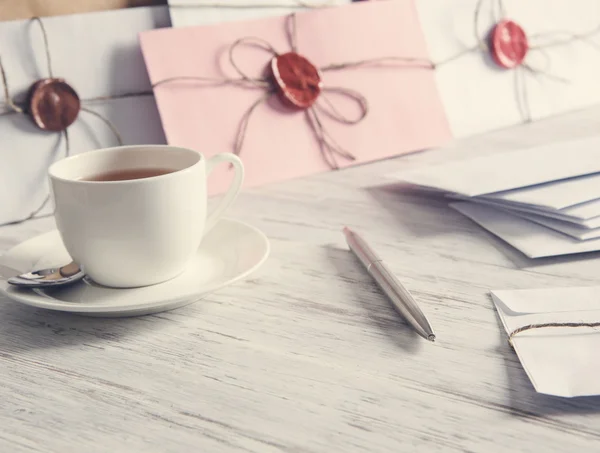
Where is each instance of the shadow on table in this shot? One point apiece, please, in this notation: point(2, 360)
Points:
point(379, 312)
point(524, 401)
point(397, 198)
point(433, 207)
point(394, 198)
point(24, 328)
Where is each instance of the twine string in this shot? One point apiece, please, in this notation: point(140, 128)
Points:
point(458, 55)
point(546, 74)
point(292, 32)
point(418, 62)
point(517, 331)
point(243, 127)
point(7, 98)
point(571, 37)
point(332, 111)
point(106, 121)
point(251, 41)
point(210, 81)
point(327, 144)
point(46, 45)
point(522, 95)
point(86, 101)
point(547, 61)
point(498, 10)
point(481, 44)
point(131, 94)
point(64, 136)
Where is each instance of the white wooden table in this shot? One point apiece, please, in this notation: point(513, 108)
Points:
point(307, 355)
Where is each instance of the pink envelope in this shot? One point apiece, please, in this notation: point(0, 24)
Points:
point(405, 112)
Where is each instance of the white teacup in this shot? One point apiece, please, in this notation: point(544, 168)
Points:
point(136, 232)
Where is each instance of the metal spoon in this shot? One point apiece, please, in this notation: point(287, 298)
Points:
point(46, 278)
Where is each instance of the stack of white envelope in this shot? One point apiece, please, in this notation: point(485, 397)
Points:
point(544, 201)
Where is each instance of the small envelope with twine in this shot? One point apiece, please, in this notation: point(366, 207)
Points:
point(556, 335)
point(300, 94)
point(506, 62)
point(70, 84)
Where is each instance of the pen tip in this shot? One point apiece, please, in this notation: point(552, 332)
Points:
point(431, 337)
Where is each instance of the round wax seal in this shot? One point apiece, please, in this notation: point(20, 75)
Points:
point(53, 104)
point(509, 44)
point(297, 80)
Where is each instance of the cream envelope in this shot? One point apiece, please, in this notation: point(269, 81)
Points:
point(561, 361)
point(480, 96)
point(98, 54)
point(532, 239)
point(185, 13)
point(404, 110)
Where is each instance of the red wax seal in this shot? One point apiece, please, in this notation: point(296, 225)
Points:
point(509, 44)
point(297, 80)
point(53, 104)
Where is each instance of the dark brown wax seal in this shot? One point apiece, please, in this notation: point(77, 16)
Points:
point(297, 80)
point(53, 104)
point(509, 44)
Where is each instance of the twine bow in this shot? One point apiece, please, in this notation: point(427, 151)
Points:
point(329, 147)
point(536, 44)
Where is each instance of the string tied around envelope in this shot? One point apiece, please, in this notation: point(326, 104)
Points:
point(508, 44)
point(299, 86)
point(548, 325)
point(52, 104)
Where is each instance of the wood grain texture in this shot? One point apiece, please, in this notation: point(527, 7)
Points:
point(307, 355)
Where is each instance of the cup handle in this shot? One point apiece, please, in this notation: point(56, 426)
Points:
point(234, 189)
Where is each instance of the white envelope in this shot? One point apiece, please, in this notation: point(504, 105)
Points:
point(560, 361)
point(553, 195)
point(532, 239)
point(586, 215)
point(98, 54)
point(478, 95)
point(571, 229)
point(504, 171)
point(186, 13)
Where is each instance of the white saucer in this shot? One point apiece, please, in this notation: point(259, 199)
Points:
point(229, 252)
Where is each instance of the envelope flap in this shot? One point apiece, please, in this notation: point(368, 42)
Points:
point(547, 300)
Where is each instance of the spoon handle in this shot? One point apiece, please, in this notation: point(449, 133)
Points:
point(70, 269)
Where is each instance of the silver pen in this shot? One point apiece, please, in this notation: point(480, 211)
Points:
point(389, 284)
